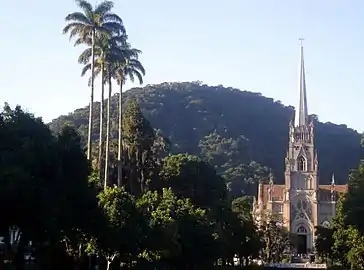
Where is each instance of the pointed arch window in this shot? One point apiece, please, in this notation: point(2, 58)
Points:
point(301, 230)
point(301, 164)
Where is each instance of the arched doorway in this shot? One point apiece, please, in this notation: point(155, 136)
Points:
point(302, 239)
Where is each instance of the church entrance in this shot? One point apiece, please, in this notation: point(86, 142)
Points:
point(301, 244)
point(301, 240)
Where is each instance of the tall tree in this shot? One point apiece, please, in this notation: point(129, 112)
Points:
point(141, 161)
point(108, 123)
point(107, 53)
point(85, 25)
point(128, 66)
point(340, 237)
point(100, 44)
point(113, 55)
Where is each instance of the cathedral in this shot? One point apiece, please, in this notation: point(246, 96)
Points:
point(301, 201)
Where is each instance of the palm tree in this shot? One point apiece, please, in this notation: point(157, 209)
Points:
point(115, 55)
point(100, 65)
point(108, 125)
point(106, 52)
point(127, 67)
point(85, 25)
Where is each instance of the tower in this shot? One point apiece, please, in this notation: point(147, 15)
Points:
point(301, 165)
point(300, 201)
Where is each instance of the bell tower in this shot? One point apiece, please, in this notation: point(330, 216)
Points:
point(301, 167)
point(301, 159)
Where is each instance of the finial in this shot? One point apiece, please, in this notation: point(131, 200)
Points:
point(271, 178)
point(301, 41)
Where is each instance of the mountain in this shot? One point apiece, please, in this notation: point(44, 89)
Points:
point(186, 112)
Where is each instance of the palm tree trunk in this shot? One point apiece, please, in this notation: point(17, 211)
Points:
point(90, 117)
point(101, 138)
point(108, 133)
point(120, 146)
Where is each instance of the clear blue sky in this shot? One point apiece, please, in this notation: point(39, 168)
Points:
point(247, 44)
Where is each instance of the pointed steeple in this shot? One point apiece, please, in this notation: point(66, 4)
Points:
point(333, 179)
point(301, 120)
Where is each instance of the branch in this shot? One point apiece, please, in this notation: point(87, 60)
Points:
point(112, 257)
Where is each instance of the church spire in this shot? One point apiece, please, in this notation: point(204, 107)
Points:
point(301, 120)
point(333, 179)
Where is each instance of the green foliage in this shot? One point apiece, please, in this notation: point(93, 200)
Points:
point(355, 256)
point(244, 207)
point(180, 232)
point(259, 123)
point(355, 199)
point(340, 247)
point(125, 225)
point(142, 147)
point(44, 192)
point(348, 226)
point(170, 210)
point(190, 177)
point(181, 220)
point(219, 150)
point(246, 240)
point(231, 160)
point(276, 238)
point(86, 26)
point(166, 227)
point(137, 130)
point(324, 242)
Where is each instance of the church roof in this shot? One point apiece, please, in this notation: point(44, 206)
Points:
point(278, 192)
point(338, 188)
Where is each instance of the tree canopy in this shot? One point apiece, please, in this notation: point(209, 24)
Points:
point(170, 185)
point(251, 127)
point(52, 201)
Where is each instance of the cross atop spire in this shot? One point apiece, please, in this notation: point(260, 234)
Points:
point(301, 120)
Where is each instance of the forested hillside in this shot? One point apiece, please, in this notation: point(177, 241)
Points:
point(228, 127)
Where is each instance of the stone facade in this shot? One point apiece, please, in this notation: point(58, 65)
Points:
point(300, 201)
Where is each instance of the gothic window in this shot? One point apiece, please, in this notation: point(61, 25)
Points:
point(301, 164)
point(301, 230)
